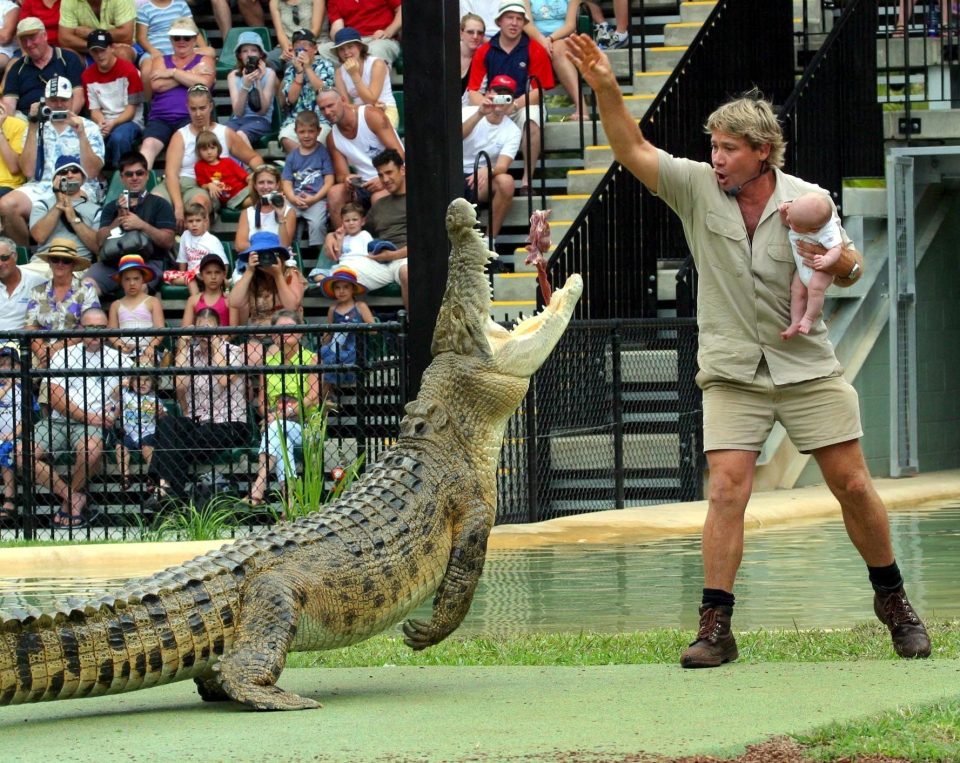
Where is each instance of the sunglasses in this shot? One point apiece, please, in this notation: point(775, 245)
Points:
point(134, 173)
point(96, 326)
point(6, 257)
point(473, 32)
point(71, 170)
point(182, 38)
point(60, 260)
point(198, 89)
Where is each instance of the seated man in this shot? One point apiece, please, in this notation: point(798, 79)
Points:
point(81, 416)
point(27, 77)
point(487, 128)
point(63, 134)
point(66, 212)
point(115, 96)
point(387, 223)
point(135, 210)
point(78, 20)
point(15, 287)
point(379, 21)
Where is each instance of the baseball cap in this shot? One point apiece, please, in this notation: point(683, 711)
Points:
point(304, 34)
point(29, 25)
point(65, 162)
point(511, 5)
point(58, 87)
point(99, 38)
point(505, 82)
point(212, 259)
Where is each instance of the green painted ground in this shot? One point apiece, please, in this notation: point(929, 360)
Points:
point(478, 714)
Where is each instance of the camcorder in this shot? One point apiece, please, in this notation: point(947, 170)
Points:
point(502, 99)
point(57, 116)
point(250, 63)
point(70, 186)
point(274, 199)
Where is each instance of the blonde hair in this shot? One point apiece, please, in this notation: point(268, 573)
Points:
point(752, 118)
point(471, 17)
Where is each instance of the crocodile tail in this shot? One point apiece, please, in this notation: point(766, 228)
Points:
point(113, 645)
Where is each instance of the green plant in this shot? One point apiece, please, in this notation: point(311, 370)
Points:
point(307, 492)
point(212, 520)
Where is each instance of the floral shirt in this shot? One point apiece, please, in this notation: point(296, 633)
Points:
point(44, 311)
point(308, 96)
point(67, 143)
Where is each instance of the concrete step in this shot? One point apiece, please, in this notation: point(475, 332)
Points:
point(597, 157)
point(565, 207)
point(658, 59)
point(520, 255)
point(565, 136)
point(637, 105)
point(935, 124)
point(924, 51)
point(681, 34)
point(640, 451)
point(696, 11)
point(584, 181)
point(649, 83)
point(865, 202)
point(514, 287)
point(503, 310)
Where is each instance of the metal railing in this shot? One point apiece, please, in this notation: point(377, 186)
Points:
point(620, 233)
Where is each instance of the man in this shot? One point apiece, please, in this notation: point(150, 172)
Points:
point(114, 93)
point(26, 77)
point(135, 209)
point(307, 76)
point(82, 412)
point(358, 133)
point(749, 376)
point(80, 18)
point(63, 134)
point(13, 132)
point(378, 21)
point(15, 287)
point(387, 222)
point(67, 211)
point(487, 128)
point(511, 52)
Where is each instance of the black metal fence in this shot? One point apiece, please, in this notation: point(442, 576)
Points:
point(832, 119)
point(620, 233)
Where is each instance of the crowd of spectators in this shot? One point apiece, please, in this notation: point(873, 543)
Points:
point(94, 94)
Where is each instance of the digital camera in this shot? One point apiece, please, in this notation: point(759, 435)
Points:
point(356, 182)
point(250, 63)
point(274, 199)
point(69, 186)
point(47, 113)
point(502, 99)
point(267, 258)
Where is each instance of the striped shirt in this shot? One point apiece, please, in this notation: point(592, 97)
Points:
point(158, 21)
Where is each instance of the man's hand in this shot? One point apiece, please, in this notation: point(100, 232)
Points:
point(302, 201)
point(74, 121)
point(64, 204)
point(106, 127)
point(840, 270)
point(373, 185)
point(130, 221)
point(591, 62)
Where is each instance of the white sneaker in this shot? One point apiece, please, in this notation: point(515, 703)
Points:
point(618, 40)
point(601, 35)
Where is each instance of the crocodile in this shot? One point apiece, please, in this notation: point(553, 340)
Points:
point(415, 525)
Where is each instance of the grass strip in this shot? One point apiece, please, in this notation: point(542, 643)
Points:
point(864, 642)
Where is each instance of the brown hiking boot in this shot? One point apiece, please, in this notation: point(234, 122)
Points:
point(909, 636)
point(715, 644)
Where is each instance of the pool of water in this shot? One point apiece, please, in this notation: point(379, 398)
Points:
point(805, 576)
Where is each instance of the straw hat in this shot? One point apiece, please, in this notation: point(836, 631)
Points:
point(67, 249)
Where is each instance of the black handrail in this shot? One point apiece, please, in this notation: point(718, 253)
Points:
point(476, 188)
point(543, 146)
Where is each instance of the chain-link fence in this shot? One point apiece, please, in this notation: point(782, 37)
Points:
point(107, 436)
point(613, 419)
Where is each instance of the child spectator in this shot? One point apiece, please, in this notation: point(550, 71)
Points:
point(11, 402)
point(136, 310)
point(139, 410)
point(196, 242)
point(308, 177)
point(252, 88)
point(212, 277)
point(343, 288)
point(356, 241)
point(223, 178)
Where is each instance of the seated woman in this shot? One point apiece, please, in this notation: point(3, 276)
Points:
point(269, 211)
point(252, 89)
point(364, 79)
point(554, 21)
point(214, 408)
point(287, 399)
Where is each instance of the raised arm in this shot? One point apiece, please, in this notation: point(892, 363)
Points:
point(630, 148)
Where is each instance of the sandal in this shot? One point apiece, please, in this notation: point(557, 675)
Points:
point(66, 520)
point(898, 32)
point(8, 510)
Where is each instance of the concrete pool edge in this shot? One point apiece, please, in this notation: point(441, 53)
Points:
point(615, 526)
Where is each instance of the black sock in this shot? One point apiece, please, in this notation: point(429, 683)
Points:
point(717, 597)
point(885, 579)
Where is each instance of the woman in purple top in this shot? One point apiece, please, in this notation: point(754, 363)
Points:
point(166, 82)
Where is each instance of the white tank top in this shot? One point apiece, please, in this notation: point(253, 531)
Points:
point(386, 91)
point(190, 148)
point(359, 151)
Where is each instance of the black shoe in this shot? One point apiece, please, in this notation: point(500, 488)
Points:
point(909, 635)
point(715, 643)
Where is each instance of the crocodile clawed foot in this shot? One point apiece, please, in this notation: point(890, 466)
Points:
point(272, 698)
point(419, 634)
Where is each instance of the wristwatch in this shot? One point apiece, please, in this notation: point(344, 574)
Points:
point(854, 272)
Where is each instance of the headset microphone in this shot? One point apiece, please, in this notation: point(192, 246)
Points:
point(735, 191)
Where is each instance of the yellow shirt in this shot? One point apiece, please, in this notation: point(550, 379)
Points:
point(15, 131)
point(113, 13)
point(743, 297)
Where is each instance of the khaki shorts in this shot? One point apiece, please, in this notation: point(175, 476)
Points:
point(60, 436)
point(815, 413)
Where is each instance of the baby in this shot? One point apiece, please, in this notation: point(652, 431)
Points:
point(810, 217)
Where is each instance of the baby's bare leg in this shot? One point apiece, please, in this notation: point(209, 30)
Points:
point(816, 290)
point(798, 306)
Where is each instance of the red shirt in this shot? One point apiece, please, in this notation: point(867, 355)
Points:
point(111, 91)
point(49, 16)
point(227, 171)
point(366, 16)
point(527, 58)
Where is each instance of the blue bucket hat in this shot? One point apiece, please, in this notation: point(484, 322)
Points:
point(380, 245)
point(65, 162)
point(262, 242)
point(249, 38)
point(347, 35)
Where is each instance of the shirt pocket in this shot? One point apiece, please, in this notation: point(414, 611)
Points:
point(780, 252)
point(729, 253)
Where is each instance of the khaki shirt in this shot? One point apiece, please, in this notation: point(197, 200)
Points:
point(743, 297)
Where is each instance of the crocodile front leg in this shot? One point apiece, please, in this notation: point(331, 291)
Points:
point(269, 614)
point(455, 593)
